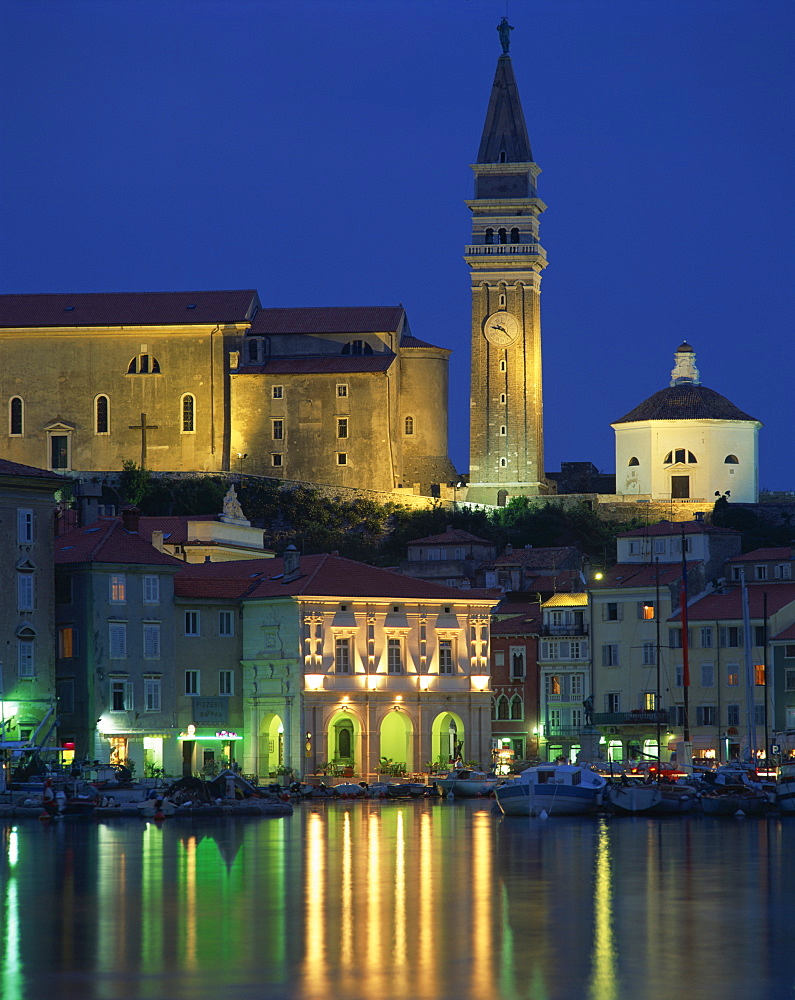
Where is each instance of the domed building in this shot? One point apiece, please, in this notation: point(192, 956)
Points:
point(687, 442)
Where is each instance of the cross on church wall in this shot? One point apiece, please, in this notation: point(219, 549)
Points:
point(143, 427)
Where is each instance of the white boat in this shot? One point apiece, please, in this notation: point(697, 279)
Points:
point(785, 788)
point(556, 789)
point(633, 797)
point(468, 784)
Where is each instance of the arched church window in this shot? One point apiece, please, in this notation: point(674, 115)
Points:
point(489, 237)
point(409, 425)
point(502, 498)
point(514, 236)
point(144, 364)
point(253, 350)
point(731, 460)
point(357, 348)
point(188, 414)
point(16, 412)
point(678, 456)
point(503, 463)
point(503, 235)
point(102, 415)
point(633, 461)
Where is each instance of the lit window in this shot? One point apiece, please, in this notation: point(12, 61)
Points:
point(118, 588)
point(342, 655)
point(759, 674)
point(646, 611)
point(66, 642)
point(121, 696)
point(733, 675)
point(394, 656)
point(649, 701)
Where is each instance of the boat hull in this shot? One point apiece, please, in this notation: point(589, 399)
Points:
point(731, 805)
point(525, 799)
point(785, 796)
point(634, 798)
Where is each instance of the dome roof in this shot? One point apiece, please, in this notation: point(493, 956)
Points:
point(685, 402)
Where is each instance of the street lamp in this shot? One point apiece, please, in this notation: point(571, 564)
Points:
point(241, 457)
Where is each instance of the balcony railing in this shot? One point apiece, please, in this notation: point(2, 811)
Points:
point(517, 249)
point(552, 731)
point(640, 718)
point(581, 628)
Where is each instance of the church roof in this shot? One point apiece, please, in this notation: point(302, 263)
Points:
point(408, 341)
point(505, 129)
point(328, 319)
point(338, 364)
point(685, 402)
point(84, 309)
point(16, 469)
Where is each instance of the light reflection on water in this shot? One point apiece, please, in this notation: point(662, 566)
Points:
point(423, 901)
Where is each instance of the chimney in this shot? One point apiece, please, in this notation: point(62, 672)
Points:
point(157, 541)
point(508, 549)
point(292, 563)
point(130, 517)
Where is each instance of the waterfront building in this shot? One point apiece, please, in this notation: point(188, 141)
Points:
point(687, 442)
point(564, 665)
point(515, 723)
point(27, 663)
point(344, 665)
point(114, 610)
point(630, 606)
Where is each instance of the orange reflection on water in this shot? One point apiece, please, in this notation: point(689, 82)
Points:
point(483, 884)
point(189, 870)
point(314, 971)
point(604, 982)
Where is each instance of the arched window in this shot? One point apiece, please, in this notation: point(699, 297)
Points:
point(514, 235)
point(409, 425)
point(144, 364)
point(502, 498)
point(253, 350)
point(16, 413)
point(678, 457)
point(357, 347)
point(503, 708)
point(503, 234)
point(633, 461)
point(503, 156)
point(188, 414)
point(731, 460)
point(489, 237)
point(503, 430)
point(102, 415)
point(503, 463)
point(517, 707)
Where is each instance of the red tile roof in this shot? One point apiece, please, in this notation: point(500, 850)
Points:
point(107, 541)
point(16, 469)
point(641, 575)
point(781, 554)
point(320, 576)
point(518, 625)
point(450, 537)
point(785, 634)
point(543, 558)
point(407, 341)
point(676, 528)
point(81, 309)
point(328, 319)
point(339, 364)
point(728, 605)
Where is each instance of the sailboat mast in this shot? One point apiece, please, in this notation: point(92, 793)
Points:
point(657, 651)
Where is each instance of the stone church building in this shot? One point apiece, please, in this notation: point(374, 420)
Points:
point(190, 381)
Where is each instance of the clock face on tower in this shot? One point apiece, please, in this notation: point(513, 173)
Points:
point(501, 329)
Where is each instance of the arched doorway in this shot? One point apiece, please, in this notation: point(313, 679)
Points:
point(396, 743)
point(343, 744)
point(447, 738)
point(271, 745)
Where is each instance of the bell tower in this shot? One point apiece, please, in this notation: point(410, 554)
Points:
point(506, 451)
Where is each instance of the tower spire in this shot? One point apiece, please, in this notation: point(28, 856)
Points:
point(505, 138)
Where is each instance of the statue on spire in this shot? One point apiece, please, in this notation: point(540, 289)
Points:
point(504, 30)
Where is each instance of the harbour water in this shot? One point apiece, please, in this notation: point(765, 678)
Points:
point(429, 900)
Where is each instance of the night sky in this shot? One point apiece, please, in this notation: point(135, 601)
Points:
point(319, 151)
